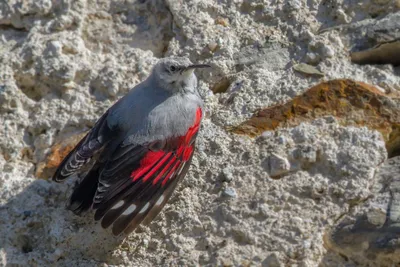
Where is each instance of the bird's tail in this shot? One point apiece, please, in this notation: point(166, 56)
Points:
point(82, 196)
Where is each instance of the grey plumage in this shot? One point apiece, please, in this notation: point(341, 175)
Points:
point(160, 114)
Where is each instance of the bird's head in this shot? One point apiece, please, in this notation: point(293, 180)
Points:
point(176, 74)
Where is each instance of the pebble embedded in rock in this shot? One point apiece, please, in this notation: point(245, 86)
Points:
point(229, 192)
point(377, 217)
point(278, 165)
point(312, 58)
point(272, 260)
point(55, 48)
point(228, 175)
point(213, 46)
point(307, 69)
point(327, 51)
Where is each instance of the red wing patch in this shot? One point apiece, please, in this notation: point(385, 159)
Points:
point(126, 201)
point(161, 161)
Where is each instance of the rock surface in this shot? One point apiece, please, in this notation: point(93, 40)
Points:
point(369, 234)
point(353, 103)
point(287, 197)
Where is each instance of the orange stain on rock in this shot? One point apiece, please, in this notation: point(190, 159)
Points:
point(353, 103)
point(56, 155)
point(222, 21)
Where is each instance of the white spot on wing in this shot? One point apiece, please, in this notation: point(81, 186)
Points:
point(119, 204)
point(144, 208)
point(79, 160)
point(160, 200)
point(130, 209)
point(180, 170)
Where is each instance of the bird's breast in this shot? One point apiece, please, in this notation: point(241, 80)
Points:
point(171, 118)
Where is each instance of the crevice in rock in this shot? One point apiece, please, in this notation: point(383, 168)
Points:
point(221, 86)
point(6, 27)
point(25, 243)
point(27, 84)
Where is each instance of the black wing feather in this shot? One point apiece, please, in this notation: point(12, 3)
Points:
point(82, 197)
point(90, 145)
point(154, 209)
point(127, 184)
point(120, 187)
point(148, 194)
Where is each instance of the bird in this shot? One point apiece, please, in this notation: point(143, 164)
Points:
point(137, 152)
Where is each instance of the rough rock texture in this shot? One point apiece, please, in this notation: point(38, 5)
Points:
point(378, 40)
point(369, 234)
point(275, 200)
point(353, 103)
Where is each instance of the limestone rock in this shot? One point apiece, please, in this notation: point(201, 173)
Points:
point(370, 234)
point(63, 63)
point(354, 103)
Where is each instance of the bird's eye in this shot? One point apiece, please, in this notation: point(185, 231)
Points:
point(172, 68)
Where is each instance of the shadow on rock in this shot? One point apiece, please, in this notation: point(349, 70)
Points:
point(371, 236)
point(36, 229)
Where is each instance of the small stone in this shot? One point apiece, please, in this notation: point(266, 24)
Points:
point(227, 173)
point(307, 244)
point(377, 217)
point(272, 261)
point(307, 69)
point(327, 51)
point(229, 192)
point(267, 134)
point(312, 58)
point(113, 90)
point(54, 48)
point(57, 254)
point(278, 165)
point(297, 220)
point(212, 46)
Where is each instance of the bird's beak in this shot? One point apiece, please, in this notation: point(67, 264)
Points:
point(197, 66)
